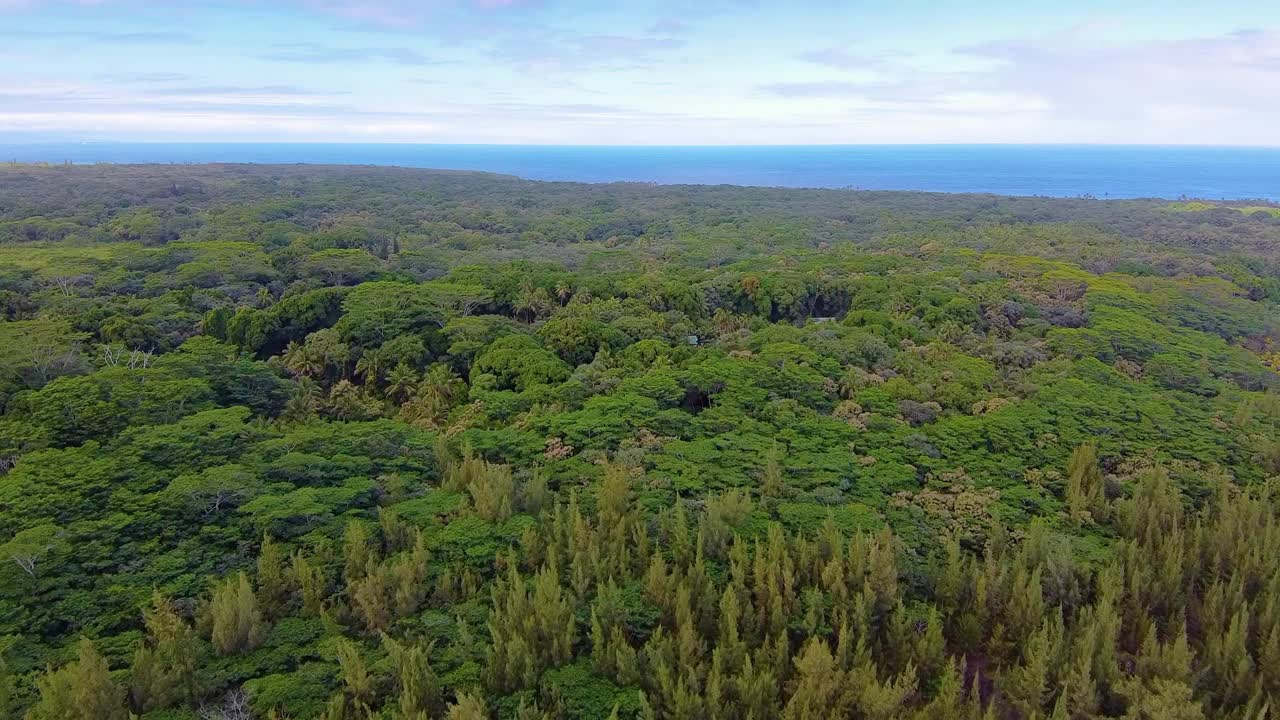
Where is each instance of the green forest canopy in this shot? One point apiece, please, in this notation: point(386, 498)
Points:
point(354, 442)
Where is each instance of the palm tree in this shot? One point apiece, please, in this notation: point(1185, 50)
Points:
point(400, 382)
point(563, 292)
point(264, 298)
point(444, 383)
point(370, 367)
point(852, 381)
point(439, 391)
point(527, 303)
point(542, 303)
point(299, 361)
point(346, 401)
point(305, 401)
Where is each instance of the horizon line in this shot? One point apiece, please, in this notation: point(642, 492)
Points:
point(5, 142)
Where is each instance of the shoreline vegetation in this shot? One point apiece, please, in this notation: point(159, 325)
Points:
point(360, 442)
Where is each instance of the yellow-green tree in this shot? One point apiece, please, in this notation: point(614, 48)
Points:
point(237, 622)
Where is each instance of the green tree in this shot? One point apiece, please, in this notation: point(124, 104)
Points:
point(82, 690)
point(1084, 484)
point(237, 622)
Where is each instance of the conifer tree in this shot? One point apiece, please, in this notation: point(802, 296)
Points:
point(397, 534)
point(1160, 699)
point(772, 480)
point(821, 689)
point(492, 491)
point(469, 706)
point(311, 584)
point(357, 683)
point(418, 687)
point(355, 551)
point(534, 494)
point(272, 583)
point(1026, 686)
point(82, 690)
point(237, 621)
point(164, 667)
point(1084, 484)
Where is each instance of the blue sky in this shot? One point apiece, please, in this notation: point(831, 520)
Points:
point(660, 72)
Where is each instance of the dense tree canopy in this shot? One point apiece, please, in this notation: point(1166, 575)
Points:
point(321, 442)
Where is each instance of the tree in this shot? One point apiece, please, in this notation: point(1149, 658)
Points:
point(460, 299)
point(36, 351)
point(400, 382)
point(492, 492)
point(358, 684)
point(237, 621)
point(164, 667)
point(532, 628)
point(1161, 700)
point(821, 691)
point(311, 584)
point(272, 583)
point(300, 362)
point(1084, 484)
point(374, 312)
point(31, 549)
point(1027, 686)
point(339, 266)
point(470, 706)
point(8, 690)
point(215, 490)
point(82, 690)
point(419, 688)
point(518, 362)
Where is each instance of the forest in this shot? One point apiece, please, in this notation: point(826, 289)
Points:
point(359, 443)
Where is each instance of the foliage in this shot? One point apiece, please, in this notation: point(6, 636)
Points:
point(382, 443)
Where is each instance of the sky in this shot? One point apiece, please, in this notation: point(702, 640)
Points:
point(636, 72)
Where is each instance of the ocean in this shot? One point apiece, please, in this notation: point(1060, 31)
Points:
point(1102, 171)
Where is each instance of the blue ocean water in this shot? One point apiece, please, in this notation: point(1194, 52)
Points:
point(1104, 171)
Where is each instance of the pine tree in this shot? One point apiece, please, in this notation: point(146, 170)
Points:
point(1079, 690)
point(237, 621)
point(369, 596)
point(272, 583)
point(355, 551)
point(336, 709)
point(773, 480)
point(532, 627)
point(1230, 665)
point(311, 584)
point(492, 492)
point(882, 571)
point(357, 683)
point(1084, 484)
point(948, 698)
point(929, 649)
point(419, 689)
point(469, 706)
point(397, 534)
point(821, 689)
point(83, 690)
point(174, 642)
point(534, 495)
point(1161, 699)
point(1027, 686)
point(1170, 660)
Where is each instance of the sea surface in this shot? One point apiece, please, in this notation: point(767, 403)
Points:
point(1103, 171)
